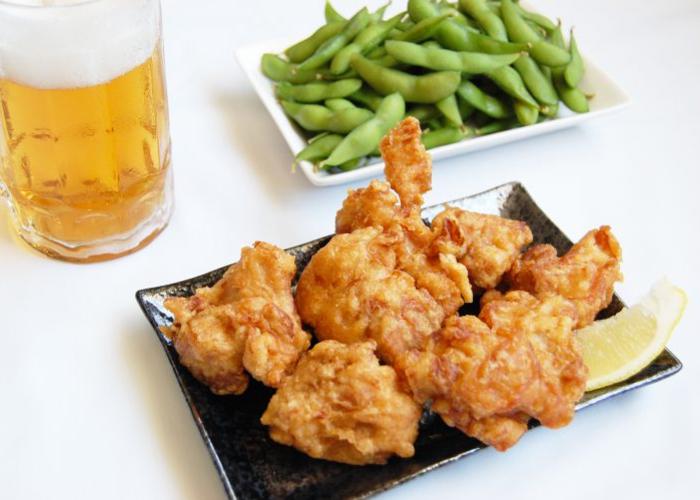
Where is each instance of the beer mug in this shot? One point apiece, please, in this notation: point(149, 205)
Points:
point(85, 146)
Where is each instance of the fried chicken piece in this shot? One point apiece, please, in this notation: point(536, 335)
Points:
point(373, 206)
point(487, 245)
point(246, 320)
point(585, 275)
point(408, 169)
point(488, 375)
point(408, 164)
point(341, 405)
point(352, 291)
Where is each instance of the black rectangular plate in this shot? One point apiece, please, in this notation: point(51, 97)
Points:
point(251, 465)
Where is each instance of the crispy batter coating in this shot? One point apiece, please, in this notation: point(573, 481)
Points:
point(341, 405)
point(586, 274)
point(488, 375)
point(487, 245)
point(408, 168)
point(246, 320)
point(373, 206)
point(351, 291)
point(408, 164)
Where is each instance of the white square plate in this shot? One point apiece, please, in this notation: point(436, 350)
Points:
point(608, 98)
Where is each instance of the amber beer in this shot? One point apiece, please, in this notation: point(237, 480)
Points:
point(86, 165)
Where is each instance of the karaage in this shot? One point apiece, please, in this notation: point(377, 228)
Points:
point(488, 375)
point(585, 274)
point(246, 321)
point(351, 291)
point(487, 245)
point(340, 404)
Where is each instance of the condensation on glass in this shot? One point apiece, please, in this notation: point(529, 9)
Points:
point(85, 146)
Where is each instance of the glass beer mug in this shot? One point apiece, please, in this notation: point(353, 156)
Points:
point(85, 146)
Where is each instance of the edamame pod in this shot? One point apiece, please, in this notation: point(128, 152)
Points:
point(428, 88)
point(491, 23)
point(453, 36)
point(338, 104)
point(330, 47)
point(519, 31)
point(331, 15)
point(574, 70)
point(540, 20)
point(422, 112)
point(318, 91)
point(512, 84)
point(574, 99)
point(319, 149)
point(496, 126)
point(362, 140)
point(447, 60)
point(366, 40)
point(450, 110)
point(305, 48)
point(316, 118)
point(423, 30)
point(536, 81)
point(485, 103)
point(279, 70)
point(367, 97)
point(441, 137)
point(526, 114)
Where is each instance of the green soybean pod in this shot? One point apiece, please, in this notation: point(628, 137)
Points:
point(574, 99)
point(337, 104)
point(526, 114)
point(485, 103)
point(368, 39)
point(441, 137)
point(427, 89)
point(519, 31)
point(304, 49)
point(536, 81)
point(319, 149)
point(446, 60)
point(512, 84)
point(540, 20)
point(365, 138)
point(279, 70)
point(331, 15)
point(497, 126)
point(574, 70)
point(330, 47)
point(450, 110)
point(491, 23)
point(550, 111)
point(454, 36)
point(422, 112)
point(423, 30)
point(366, 97)
point(466, 110)
point(316, 118)
point(350, 165)
point(318, 91)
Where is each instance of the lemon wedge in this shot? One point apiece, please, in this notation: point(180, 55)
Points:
point(616, 348)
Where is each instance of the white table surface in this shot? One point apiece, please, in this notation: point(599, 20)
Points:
point(89, 407)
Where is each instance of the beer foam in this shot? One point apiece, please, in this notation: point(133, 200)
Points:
point(75, 43)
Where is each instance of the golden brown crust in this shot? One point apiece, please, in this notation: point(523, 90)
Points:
point(408, 165)
point(246, 321)
point(352, 291)
point(488, 375)
point(487, 245)
point(341, 405)
point(586, 274)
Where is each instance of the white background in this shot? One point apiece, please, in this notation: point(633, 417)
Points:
point(89, 407)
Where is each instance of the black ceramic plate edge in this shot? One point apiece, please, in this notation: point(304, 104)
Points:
point(664, 366)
